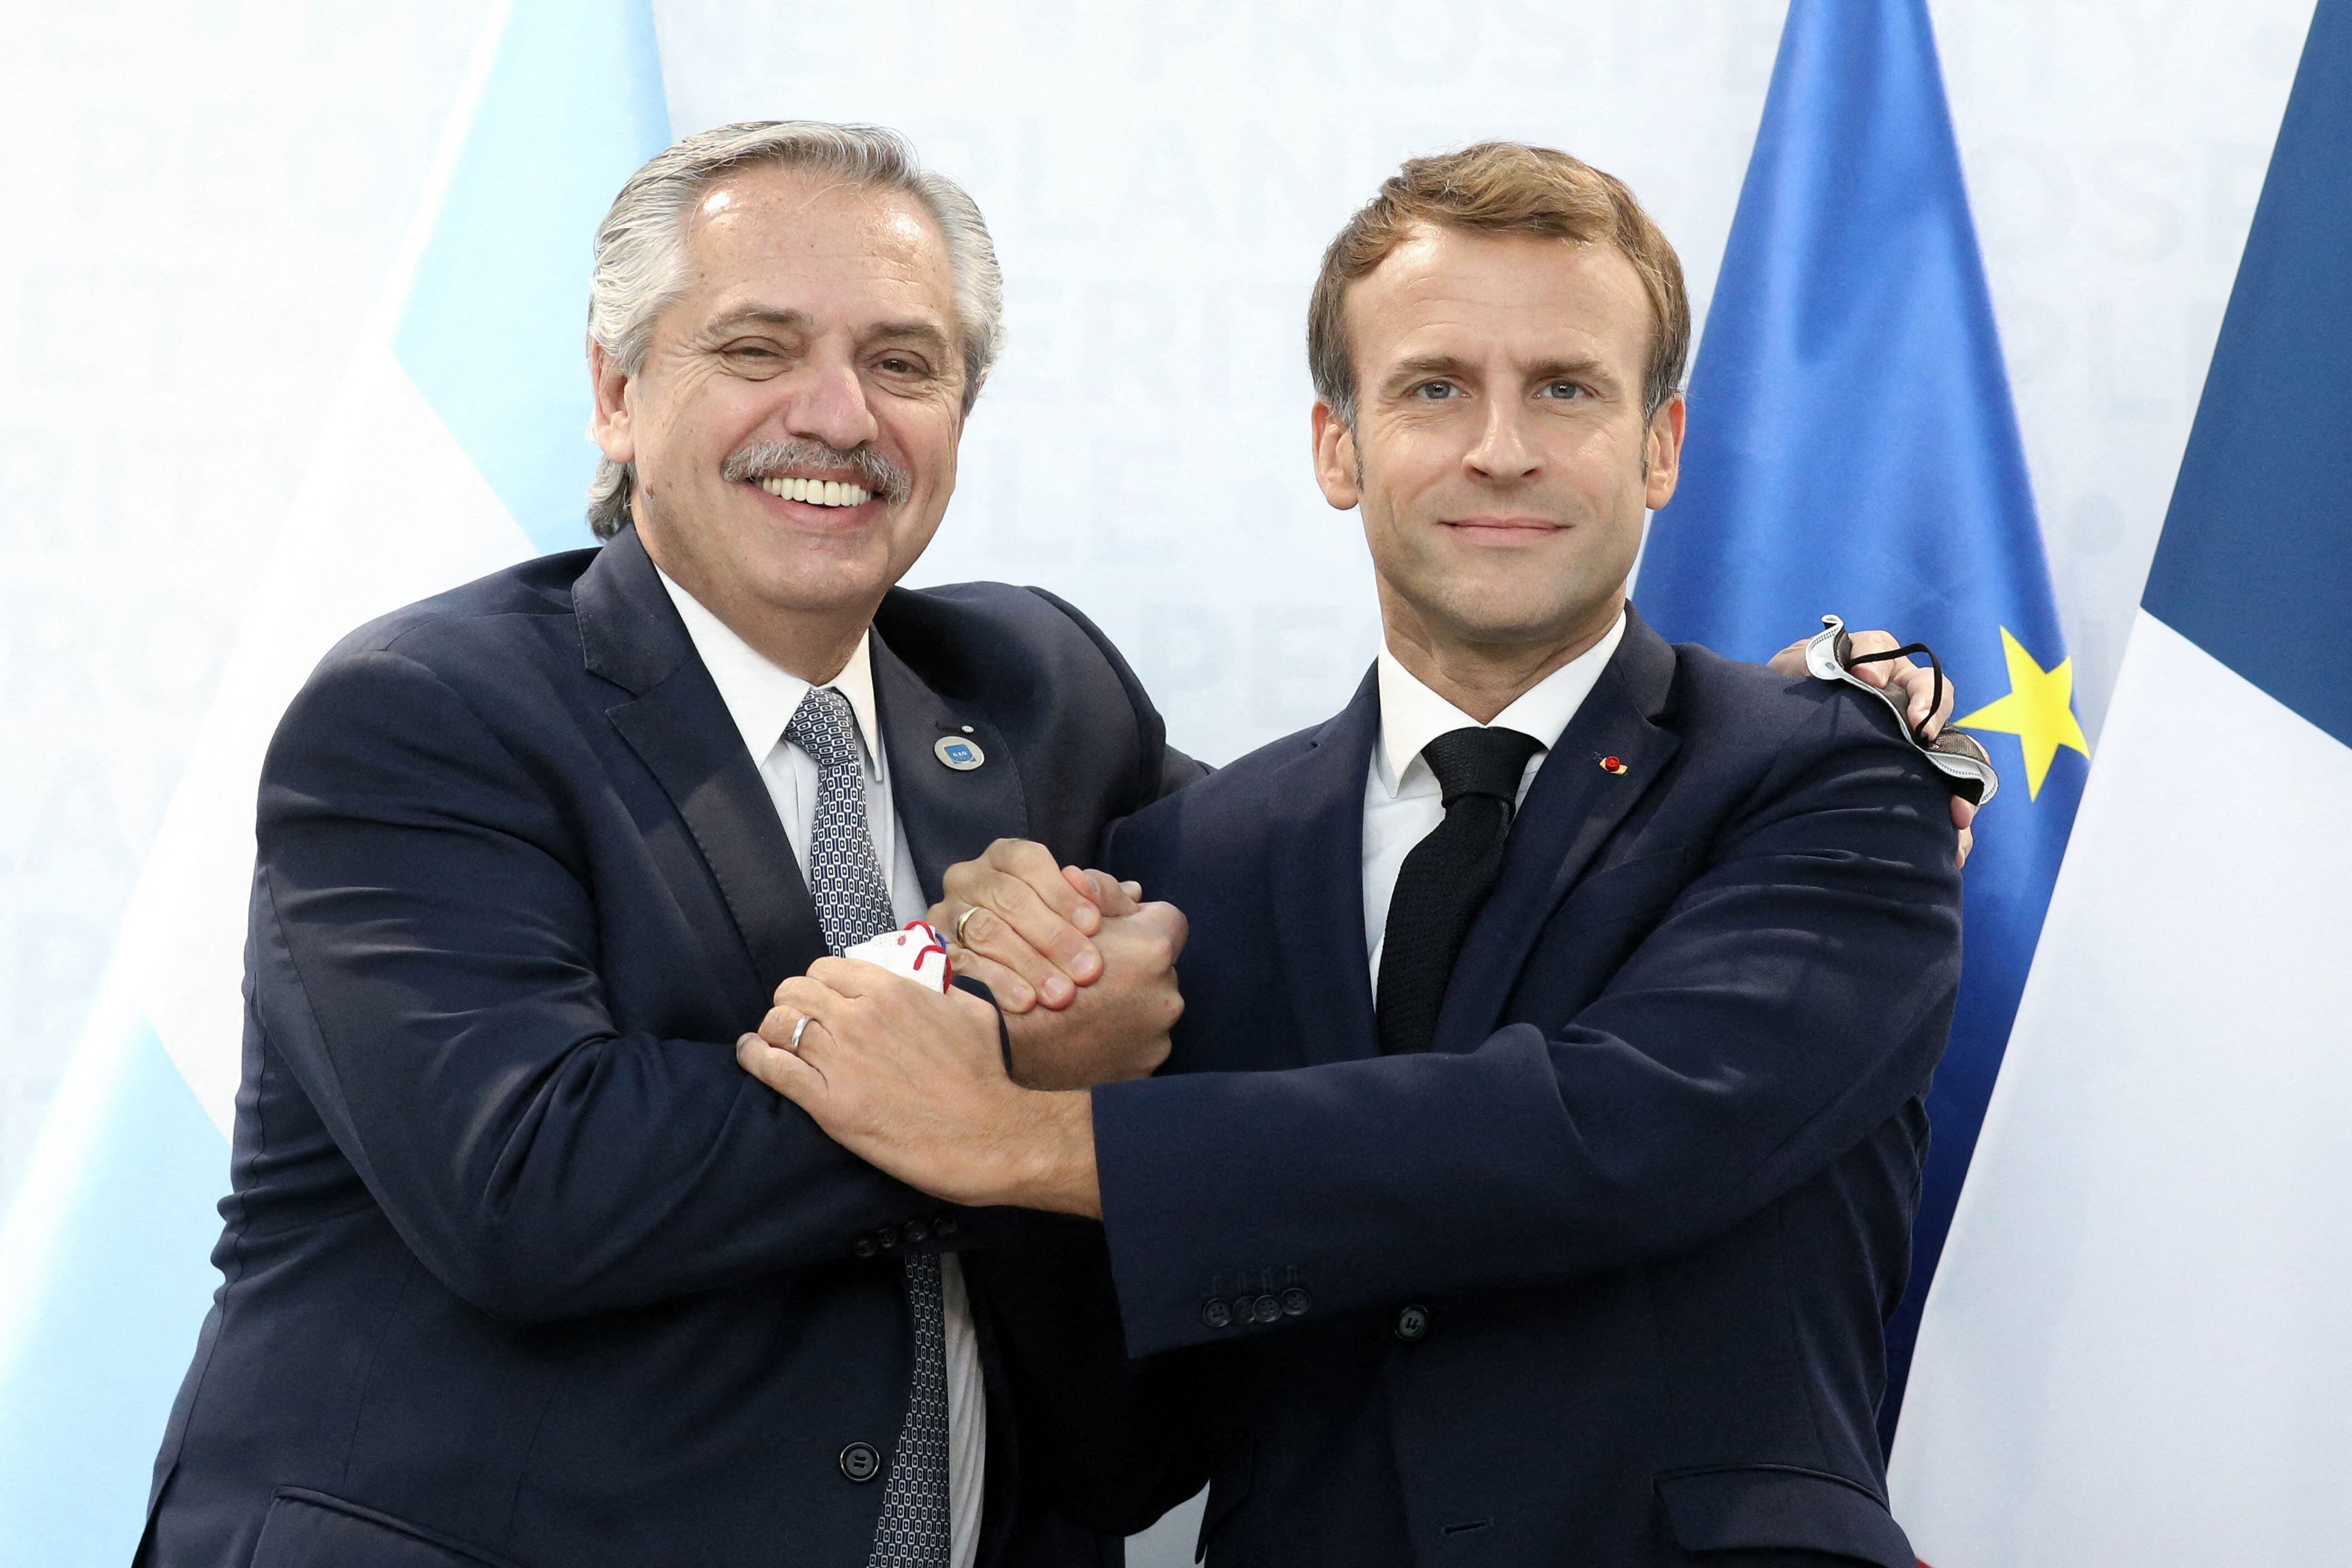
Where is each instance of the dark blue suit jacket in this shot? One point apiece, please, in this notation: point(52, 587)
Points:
point(519, 1266)
point(1600, 1278)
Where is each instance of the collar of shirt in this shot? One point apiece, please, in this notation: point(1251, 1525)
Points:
point(1411, 716)
point(761, 695)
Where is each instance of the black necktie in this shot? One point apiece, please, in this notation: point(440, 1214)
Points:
point(1446, 877)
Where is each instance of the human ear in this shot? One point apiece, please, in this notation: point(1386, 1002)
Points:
point(1335, 456)
point(608, 421)
point(1663, 443)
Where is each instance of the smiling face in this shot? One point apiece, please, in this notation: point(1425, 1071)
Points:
point(1500, 454)
point(793, 427)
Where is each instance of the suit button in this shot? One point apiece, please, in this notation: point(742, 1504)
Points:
point(1294, 1302)
point(1413, 1324)
point(945, 1224)
point(917, 1233)
point(1266, 1309)
point(888, 1236)
point(864, 1247)
point(1215, 1313)
point(860, 1463)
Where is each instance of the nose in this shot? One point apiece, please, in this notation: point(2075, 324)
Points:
point(829, 403)
point(1503, 452)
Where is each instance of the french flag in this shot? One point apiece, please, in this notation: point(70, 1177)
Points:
point(2139, 1349)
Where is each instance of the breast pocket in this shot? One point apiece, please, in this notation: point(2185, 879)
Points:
point(310, 1530)
point(1635, 889)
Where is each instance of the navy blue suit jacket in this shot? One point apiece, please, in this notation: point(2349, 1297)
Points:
point(1600, 1278)
point(518, 1267)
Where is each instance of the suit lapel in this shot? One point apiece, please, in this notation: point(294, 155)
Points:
point(1572, 809)
point(678, 725)
point(1318, 882)
point(948, 815)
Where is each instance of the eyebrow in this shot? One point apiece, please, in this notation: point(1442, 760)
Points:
point(1572, 369)
point(760, 315)
point(921, 332)
point(1420, 365)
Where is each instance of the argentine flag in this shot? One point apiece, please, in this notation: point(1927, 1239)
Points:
point(2139, 1349)
point(1852, 449)
point(453, 448)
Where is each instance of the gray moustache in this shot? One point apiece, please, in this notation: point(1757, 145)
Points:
point(769, 459)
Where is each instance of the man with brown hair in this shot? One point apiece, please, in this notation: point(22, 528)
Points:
point(1536, 1161)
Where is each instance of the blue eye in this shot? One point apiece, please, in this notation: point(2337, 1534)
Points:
point(1435, 391)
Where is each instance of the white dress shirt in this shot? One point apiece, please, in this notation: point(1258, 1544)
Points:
point(1402, 803)
point(761, 697)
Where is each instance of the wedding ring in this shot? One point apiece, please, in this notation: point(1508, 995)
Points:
point(798, 1029)
point(970, 910)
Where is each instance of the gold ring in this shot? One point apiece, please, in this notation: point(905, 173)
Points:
point(970, 910)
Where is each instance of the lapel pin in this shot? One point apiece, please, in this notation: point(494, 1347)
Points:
point(955, 751)
point(1613, 765)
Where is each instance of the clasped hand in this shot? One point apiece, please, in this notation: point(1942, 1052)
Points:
point(1046, 938)
point(914, 1083)
point(904, 1077)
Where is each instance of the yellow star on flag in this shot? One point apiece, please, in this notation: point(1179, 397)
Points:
point(2039, 711)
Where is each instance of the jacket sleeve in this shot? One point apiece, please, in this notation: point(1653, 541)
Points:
point(425, 959)
point(1793, 997)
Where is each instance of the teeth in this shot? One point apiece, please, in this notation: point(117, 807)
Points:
point(817, 492)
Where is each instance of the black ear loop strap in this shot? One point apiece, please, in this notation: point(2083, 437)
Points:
point(1917, 730)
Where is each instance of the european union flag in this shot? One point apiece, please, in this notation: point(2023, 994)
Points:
point(1852, 449)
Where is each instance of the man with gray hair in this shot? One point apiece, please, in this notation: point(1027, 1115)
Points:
point(518, 1267)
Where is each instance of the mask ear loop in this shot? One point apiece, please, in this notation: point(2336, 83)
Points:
point(1917, 730)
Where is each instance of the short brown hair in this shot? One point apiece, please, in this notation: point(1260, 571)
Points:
point(1497, 187)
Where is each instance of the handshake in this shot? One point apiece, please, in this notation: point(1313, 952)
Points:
point(931, 1087)
point(921, 1084)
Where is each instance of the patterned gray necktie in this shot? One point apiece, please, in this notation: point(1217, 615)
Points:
point(844, 877)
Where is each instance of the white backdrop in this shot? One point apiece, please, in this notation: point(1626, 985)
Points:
point(203, 200)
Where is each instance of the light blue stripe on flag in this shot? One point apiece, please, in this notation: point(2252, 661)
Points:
point(495, 322)
point(97, 1351)
point(103, 1271)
